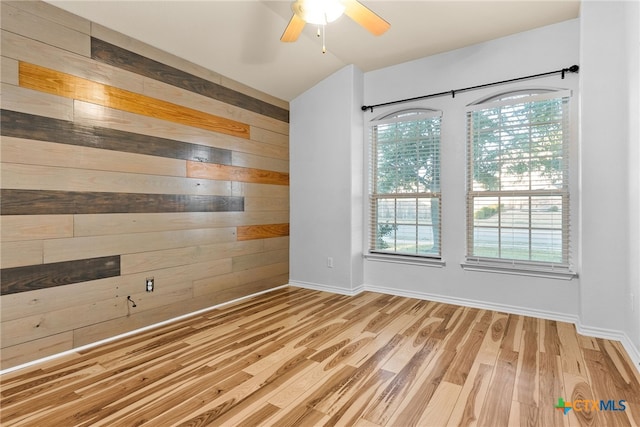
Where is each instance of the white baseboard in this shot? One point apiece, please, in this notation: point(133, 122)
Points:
point(623, 338)
point(614, 335)
point(327, 288)
point(133, 332)
point(632, 350)
point(549, 315)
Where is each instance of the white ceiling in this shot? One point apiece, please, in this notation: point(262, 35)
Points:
point(240, 39)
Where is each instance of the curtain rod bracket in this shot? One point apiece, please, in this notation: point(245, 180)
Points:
point(572, 69)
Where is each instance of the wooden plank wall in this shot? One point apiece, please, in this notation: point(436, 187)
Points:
point(120, 162)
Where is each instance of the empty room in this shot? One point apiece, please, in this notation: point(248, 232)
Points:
point(320, 212)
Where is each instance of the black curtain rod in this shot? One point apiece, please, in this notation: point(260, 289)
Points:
point(572, 69)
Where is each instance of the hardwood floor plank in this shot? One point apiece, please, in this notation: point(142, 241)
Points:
point(398, 389)
point(471, 397)
point(258, 417)
point(300, 357)
point(411, 412)
point(441, 405)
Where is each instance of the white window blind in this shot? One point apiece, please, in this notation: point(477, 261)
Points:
point(518, 201)
point(404, 197)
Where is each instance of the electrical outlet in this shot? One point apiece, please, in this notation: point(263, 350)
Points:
point(149, 284)
point(330, 262)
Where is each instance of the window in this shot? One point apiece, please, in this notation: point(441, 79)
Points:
point(404, 196)
point(518, 207)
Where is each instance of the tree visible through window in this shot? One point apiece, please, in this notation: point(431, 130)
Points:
point(517, 181)
point(405, 184)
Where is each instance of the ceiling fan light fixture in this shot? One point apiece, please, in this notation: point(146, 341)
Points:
point(318, 12)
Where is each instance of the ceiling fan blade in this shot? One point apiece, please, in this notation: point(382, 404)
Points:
point(365, 17)
point(293, 30)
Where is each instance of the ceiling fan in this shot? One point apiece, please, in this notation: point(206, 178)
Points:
point(321, 12)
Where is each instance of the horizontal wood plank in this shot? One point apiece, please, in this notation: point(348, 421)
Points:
point(36, 349)
point(247, 160)
point(53, 13)
point(9, 71)
point(55, 178)
point(33, 277)
point(264, 231)
point(49, 202)
point(249, 261)
point(25, 49)
point(45, 300)
point(122, 58)
point(57, 83)
point(30, 126)
point(104, 245)
point(61, 321)
point(46, 30)
point(21, 253)
point(233, 173)
point(33, 102)
point(32, 152)
point(153, 260)
point(265, 204)
point(35, 227)
point(98, 115)
point(112, 224)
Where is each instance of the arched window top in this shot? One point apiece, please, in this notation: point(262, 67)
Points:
point(519, 95)
point(407, 114)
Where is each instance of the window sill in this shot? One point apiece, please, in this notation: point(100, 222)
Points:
point(405, 259)
point(519, 269)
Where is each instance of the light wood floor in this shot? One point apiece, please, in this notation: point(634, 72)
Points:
point(302, 357)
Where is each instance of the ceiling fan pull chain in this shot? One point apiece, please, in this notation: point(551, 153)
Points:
point(324, 48)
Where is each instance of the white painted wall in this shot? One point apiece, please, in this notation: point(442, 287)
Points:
point(633, 68)
point(326, 183)
point(327, 137)
point(609, 141)
point(538, 51)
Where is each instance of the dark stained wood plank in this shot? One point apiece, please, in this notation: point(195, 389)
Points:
point(236, 173)
point(42, 276)
point(51, 202)
point(266, 231)
point(62, 84)
point(29, 126)
point(130, 61)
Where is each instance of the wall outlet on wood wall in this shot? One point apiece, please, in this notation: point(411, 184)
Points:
point(150, 284)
